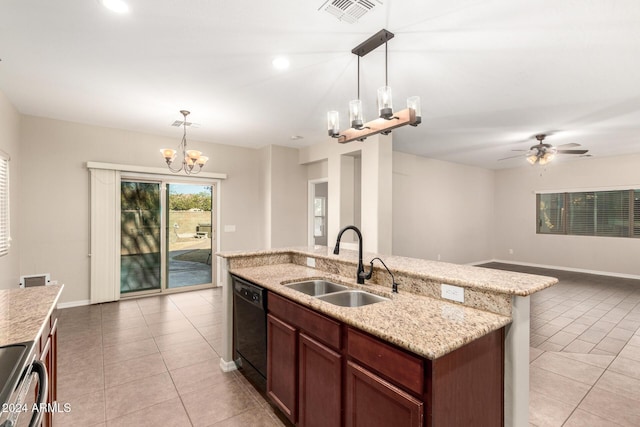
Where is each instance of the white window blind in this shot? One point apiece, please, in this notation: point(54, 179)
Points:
point(5, 236)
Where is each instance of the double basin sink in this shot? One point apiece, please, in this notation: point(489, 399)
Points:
point(336, 294)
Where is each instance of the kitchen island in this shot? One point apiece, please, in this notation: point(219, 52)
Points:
point(30, 315)
point(416, 319)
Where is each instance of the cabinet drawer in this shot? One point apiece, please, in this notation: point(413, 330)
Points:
point(314, 324)
point(404, 369)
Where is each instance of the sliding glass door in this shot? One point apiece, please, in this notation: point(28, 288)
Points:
point(167, 236)
point(189, 234)
point(140, 245)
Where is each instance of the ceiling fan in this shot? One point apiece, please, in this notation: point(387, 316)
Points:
point(542, 153)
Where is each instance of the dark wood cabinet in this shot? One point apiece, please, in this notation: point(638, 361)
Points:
point(319, 385)
point(374, 402)
point(324, 373)
point(281, 366)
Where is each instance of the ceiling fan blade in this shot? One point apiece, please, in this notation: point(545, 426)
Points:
point(569, 145)
point(572, 151)
point(511, 157)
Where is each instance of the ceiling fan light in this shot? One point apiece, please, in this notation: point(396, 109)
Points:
point(385, 102)
point(355, 114)
point(532, 159)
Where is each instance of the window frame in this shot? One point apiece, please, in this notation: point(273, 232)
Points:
point(630, 216)
point(5, 209)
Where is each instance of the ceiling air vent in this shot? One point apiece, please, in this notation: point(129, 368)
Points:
point(349, 10)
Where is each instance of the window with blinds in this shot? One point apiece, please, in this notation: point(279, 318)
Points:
point(590, 213)
point(5, 238)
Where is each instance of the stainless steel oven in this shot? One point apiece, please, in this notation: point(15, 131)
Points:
point(23, 379)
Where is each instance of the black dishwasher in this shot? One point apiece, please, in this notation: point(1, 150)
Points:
point(250, 329)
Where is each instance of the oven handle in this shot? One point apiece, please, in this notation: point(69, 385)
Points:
point(43, 385)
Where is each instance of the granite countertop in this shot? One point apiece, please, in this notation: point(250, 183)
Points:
point(484, 279)
point(23, 312)
point(422, 325)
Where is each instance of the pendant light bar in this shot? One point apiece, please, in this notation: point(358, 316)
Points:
point(387, 120)
point(401, 118)
point(373, 42)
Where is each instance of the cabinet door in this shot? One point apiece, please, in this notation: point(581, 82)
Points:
point(282, 362)
point(320, 397)
point(374, 402)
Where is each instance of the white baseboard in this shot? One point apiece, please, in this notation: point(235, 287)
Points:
point(577, 270)
point(481, 262)
point(227, 366)
point(74, 303)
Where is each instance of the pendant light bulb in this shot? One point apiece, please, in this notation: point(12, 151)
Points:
point(333, 123)
point(385, 103)
point(413, 102)
point(355, 114)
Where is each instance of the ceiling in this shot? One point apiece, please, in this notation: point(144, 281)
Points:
point(491, 74)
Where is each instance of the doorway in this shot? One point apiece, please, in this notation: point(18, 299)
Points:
point(168, 235)
point(318, 208)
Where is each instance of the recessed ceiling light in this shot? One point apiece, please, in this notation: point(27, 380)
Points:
point(280, 63)
point(118, 6)
point(296, 137)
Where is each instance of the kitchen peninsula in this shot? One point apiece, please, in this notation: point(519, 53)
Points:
point(30, 315)
point(414, 327)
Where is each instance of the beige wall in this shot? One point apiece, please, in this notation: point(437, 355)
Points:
point(54, 193)
point(287, 198)
point(515, 221)
point(441, 208)
point(9, 143)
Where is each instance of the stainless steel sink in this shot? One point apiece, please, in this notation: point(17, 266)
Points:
point(316, 287)
point(352, 298)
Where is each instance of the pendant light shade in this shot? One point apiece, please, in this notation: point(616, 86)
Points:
point(355, 114)
point(385, 103)
point(333, 123)
point(413, 102)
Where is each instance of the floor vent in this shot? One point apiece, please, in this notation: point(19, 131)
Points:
point(349, 10)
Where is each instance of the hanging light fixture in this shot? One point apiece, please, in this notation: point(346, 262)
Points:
point(190, 158)
point(359, 130)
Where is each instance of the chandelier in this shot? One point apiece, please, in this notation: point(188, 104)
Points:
point(388, 120)
point(190, 158)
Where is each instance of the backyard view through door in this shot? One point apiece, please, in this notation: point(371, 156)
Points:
point(165, 251)
point(189, 234)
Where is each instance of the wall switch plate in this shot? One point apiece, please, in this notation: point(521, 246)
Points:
point(453, 293)
point(311, 262)
point(229, 228)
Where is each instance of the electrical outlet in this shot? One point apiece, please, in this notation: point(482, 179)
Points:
point(453, 293)
point(510, 251)
point(311, 262)
point(439, 257)
point(229, 228)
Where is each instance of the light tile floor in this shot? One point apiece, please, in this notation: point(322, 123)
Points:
point(149, 362)
point(585, 350)
point(154, 361)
